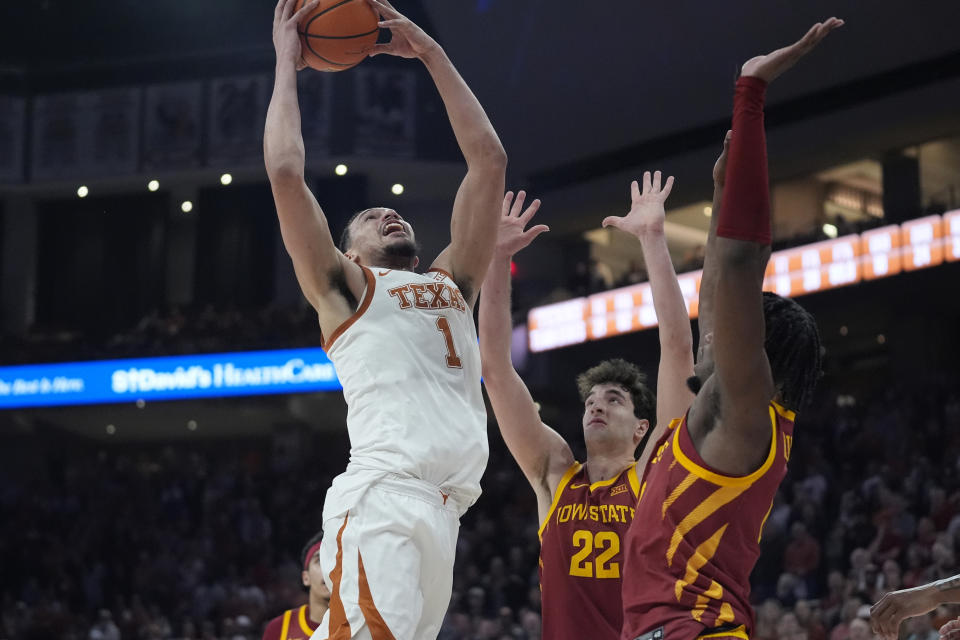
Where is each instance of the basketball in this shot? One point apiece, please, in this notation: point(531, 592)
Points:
point(337, 34)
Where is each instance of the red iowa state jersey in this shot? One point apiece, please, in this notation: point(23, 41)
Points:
point(581, 560)
point(697, 538)
point(294, 624)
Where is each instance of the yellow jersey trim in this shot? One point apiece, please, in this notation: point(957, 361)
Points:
point(784, 412)
point(567, 475)
point(302, 619)
point(739, 632)
point(607, 483)
point(285, 627)
point(731, 481)
point(634, 479)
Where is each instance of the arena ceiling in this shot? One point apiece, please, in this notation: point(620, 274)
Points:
point(583, 94)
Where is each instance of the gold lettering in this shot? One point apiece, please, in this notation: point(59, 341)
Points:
point(594, 511)
point(564, 514)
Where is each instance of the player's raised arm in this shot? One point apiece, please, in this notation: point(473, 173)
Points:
point(708, 281)
point(539, 450)
point(473, 227)
point(645, 221)
point(320, 267)
point(896, 606)
point(744, 380)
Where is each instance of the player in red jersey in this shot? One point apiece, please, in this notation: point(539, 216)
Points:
point(711, 482)
point(585, 509)
point(301, 622)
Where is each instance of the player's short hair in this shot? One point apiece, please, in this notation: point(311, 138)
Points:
point(793, 349)
point(627, 375)
point(345, 239)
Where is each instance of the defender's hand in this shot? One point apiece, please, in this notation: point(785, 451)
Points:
point(511, 236)
point(646, 213)
point(771, 65)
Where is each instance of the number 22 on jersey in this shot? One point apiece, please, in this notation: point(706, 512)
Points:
point(607, 543)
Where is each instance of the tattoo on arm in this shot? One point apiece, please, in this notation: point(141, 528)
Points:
point(948, 584)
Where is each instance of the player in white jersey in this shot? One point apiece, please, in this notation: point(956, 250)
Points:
point(405, 348)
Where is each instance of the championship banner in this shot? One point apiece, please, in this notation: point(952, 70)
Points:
point(112, 117)
point(386, 107)
point(172, 127)
point(167, 378)
point(316, 110)
point(13, 121)
point(235, 119)
point(86, 134)
point(56, 136)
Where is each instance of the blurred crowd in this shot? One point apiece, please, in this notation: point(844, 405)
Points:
point(200, 540)
point(172, 331)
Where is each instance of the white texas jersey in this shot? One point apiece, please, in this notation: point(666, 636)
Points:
point(409, 363)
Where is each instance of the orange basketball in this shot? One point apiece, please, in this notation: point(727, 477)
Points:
point(337, 34)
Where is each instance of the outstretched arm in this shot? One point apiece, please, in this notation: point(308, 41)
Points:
point(473, 225)
point(708, 281)
point(645, 221)
point(742, 373)
point(542, 454)
point(321, 269)
point(896, 606)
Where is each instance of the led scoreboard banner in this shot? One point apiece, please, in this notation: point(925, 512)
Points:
point(168, 378)
point(878, 253)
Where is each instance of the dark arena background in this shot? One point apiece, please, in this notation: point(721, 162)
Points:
point(168, 495)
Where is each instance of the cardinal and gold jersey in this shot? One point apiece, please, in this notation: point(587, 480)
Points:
point(581, 554)
point(294, 624)
point(696, 538)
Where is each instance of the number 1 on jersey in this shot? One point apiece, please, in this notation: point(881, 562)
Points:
point(453, 360)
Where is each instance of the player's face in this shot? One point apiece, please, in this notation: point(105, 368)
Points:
point(313, 577)
point(381, 231)
point(608, 415)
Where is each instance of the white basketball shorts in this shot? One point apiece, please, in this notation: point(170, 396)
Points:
point(388, 562)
